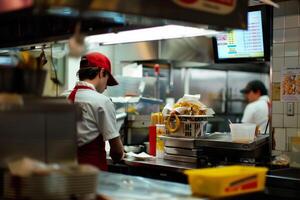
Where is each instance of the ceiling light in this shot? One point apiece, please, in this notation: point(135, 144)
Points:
point(148, 34)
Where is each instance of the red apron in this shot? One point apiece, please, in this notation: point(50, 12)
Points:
point(93, 152)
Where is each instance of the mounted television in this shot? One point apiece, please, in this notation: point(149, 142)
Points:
point(251, 45)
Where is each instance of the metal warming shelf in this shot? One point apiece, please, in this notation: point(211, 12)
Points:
point(186, 159)
point(188, 143)
point(184, 152)
point(215, 140)
point(221, 140)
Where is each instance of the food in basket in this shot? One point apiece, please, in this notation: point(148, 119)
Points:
point(188, 105)
point(189, 108)
point(187, 117)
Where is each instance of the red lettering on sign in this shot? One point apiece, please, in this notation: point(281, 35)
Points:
point(188, 1)
point(224, 2)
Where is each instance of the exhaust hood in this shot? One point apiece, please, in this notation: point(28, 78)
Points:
point(182, 52)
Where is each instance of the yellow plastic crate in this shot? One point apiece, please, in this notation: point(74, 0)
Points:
point(226, 181)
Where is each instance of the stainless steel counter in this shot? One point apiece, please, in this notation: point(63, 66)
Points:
point(125, 187)
point(163, 164)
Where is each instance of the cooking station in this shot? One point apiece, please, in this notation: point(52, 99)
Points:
point(216, 148)
point(186, 153)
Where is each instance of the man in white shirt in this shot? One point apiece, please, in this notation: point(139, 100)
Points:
point(99, 117)
point(257, 111)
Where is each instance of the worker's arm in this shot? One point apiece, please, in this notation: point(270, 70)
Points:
point(116, 149)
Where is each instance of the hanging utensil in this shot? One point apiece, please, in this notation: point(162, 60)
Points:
point(41, 60)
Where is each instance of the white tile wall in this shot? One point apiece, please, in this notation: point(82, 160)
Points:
point(292, 35)
point(291, 21)
point(277, 107)
point(278, 36)
point(278, 63)
point(291, 62)
point(280, 139)
point(286, 53)
point(278, 22)
point(298, 120)
point(276, 77)
point(298, 110)
point(290, 121)
point(291, 49)
point(278, 50)
point(290, 132)
point(277, 120)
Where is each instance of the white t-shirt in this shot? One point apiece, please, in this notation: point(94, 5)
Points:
point(99, 115)
point(257, 112)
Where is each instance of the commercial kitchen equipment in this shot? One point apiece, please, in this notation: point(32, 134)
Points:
point(138, 117)
point(216, 148)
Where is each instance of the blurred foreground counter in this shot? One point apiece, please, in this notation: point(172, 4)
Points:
point(280, 183)
point(156, 169)
point(118, 186)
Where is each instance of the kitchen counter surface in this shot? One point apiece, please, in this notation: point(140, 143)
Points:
point(157, 169)
point(163, 164)
point(119, 186)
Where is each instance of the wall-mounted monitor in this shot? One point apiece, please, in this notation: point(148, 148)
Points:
point(251, 45)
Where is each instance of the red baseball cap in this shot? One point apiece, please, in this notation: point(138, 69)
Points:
point(99, 60)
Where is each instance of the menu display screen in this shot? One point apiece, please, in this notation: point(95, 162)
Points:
point(243, 43)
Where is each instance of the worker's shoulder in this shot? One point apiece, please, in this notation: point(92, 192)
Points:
point(101, 99)
point(257, 104)
point(98, 97)
point(93, 98)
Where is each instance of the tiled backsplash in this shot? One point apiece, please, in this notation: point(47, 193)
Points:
point(286, 53)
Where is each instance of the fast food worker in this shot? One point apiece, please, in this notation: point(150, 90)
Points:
point(98, 122)
point(257, 110)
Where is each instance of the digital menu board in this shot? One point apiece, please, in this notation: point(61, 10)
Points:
point(251, 45)
point(243, 43)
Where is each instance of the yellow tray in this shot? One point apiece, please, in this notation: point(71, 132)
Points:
point(226, 181)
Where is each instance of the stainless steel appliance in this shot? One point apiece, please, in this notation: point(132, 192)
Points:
point(216, 148)
point(137, 117)
point(137, 129)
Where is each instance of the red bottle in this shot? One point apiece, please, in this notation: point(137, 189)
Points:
point(152, 140)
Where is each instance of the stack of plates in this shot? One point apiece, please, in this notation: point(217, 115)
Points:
point(53, 186)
